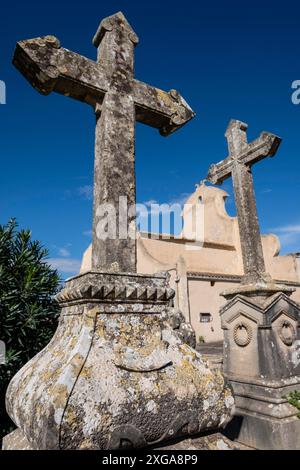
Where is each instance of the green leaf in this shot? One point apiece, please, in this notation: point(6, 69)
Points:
point(28, 311)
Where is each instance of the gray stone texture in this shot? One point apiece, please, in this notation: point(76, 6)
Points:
point(116, 374)
point(242, 156)
point(119, 100)
point(260, 321)
point(262, 363)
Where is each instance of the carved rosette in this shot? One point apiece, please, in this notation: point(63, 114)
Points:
point(287, 332)
point(242, 334)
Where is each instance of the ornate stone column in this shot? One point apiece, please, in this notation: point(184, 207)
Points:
point(262, 363)
point(260, 321)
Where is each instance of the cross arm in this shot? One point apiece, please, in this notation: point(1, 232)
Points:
point(157, 108)
point(219, 172)
point(265, 145)
point(49, 67)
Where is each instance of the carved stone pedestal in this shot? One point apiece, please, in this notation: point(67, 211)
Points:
point(115, 374)
point(262, 362)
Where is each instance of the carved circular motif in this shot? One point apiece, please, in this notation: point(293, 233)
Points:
point(287, 332)
point(242, 334)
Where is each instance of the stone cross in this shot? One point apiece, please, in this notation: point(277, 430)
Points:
point(242, 155)
point(119, 100)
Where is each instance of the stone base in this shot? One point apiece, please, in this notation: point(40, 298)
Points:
point(258, 290)
point(262, 364)
point(116, 375)
point(212, 353)
point(215, 441)
point(264, 418)
point(16, 441)
point(264, 433)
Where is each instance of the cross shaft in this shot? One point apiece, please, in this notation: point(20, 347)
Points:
point(238, 165)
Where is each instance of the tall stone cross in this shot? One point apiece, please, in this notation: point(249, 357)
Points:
point(119, 100)
point(242, 155)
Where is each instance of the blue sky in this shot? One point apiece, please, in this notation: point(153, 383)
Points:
point(228, 60)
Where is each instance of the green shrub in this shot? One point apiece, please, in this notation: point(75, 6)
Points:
point(28, 311)
point(294, 399)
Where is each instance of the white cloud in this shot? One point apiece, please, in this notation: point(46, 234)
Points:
point(86, 191)
point(88, 233)
point(266, 191)
point(181, 199)
point(65, 265)
point(150, 202)
point(64, 252)
point(145, 209)
point(288, 228)
point(156, 210)
point(288, 234)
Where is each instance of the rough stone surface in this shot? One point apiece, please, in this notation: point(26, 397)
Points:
point(214, 441)
point(183, 329)
point(262, 363)
point(116, 374)
point(15, 441)
point(182, 289)
point(260, 321)
point(119, 100)
point(238, 164)
point(114, 148)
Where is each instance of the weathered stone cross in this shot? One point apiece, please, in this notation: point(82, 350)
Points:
point(238, 164)
point(119, 100)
